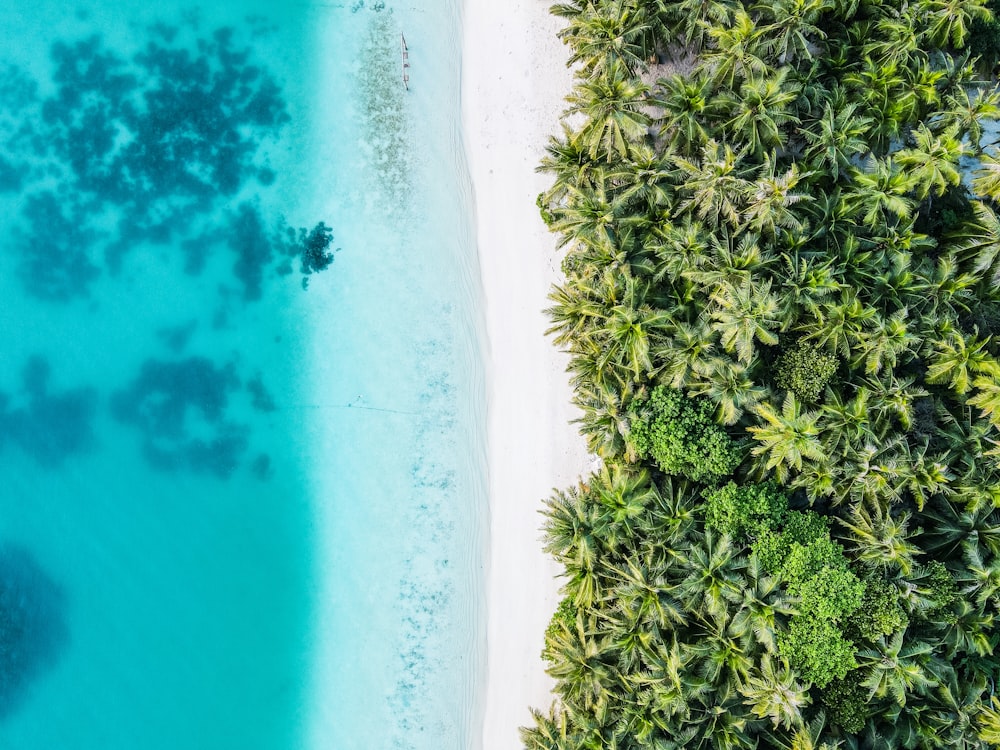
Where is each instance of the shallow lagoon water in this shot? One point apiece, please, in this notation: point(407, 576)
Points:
point(237, 513)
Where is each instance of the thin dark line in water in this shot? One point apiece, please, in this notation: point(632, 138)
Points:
point(349, 406)
point(375, 408)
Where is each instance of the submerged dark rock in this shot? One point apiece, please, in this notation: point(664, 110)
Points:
point(51, 426)
point(33, 631)
point(180, 409)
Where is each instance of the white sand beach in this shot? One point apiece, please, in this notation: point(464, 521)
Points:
point(514, 81)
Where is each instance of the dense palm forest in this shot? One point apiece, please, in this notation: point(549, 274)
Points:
point(781, 234)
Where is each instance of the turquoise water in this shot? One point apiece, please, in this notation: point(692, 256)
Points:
point(242, 505)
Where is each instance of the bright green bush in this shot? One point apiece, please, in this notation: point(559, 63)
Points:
point(805, 561)
point(805, 527)
point(813, 568)
point(846, 702)
point(880, 612)
point(745, 510)
point(682, 437)
point(832, 593)
point(771, 549)
point(543, 209)
point(802, 528)
point(817, 650)
point(562, 619)
point(805, 369)
point(943, 593)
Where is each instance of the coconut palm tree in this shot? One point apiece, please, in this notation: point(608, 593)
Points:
point(886, 95)
point(684, 102)
point(811, 736)
point(956, 359)
point(840, 324)
point(722, 726)
point(924, 83)
point(672, 522)
point(723, 654)
point(967, 107)
point(949, 289)
point(678, 247)
point(731, 261)
point(986, 182)
point(969, 631)
point(787, 438)
point(573, 536)
point(715, 185)
point(873, 473)
point(575, 313)
point(774, 693)
point(692, 19)
point(896, 38)
point(885, 342)
point(612, 105)
point(588, 218)
point(643, 184)
point(793, 32)
point(582, 662)
point(549, 732)
point(744, 314)
point(879, 192)
point(762, 605)
point(735, 52)
point(988, 722)
point(642, 594)
point(770, 202)
point(846, 424)
point(947, 21)
point(805, 283)
point(690, 348)
point(729, 386)
point(605, 419)
point(892, 398)
point(931, 476)
point(629, 329)
point(761, 113)
point(667, 675)
point(621, 495)
point(978, 243)
point(895, 669)
point(571, 166)
point(832, 222)
point(933, 161)
point(881, 540)
point(987, 396)
point(950, 529)
point(713, 576)
point(981, 578)
point(953, 707)
point(603, 34)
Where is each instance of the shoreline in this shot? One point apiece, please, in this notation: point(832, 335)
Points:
point(513, 83)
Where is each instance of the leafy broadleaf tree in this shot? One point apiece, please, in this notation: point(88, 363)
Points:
point(681, 436)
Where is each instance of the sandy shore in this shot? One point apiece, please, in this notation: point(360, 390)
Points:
point(513, 84)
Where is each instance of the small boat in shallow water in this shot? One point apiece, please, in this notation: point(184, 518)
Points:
point(406, 62)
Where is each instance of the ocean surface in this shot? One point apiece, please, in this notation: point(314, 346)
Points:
point(242, 451)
